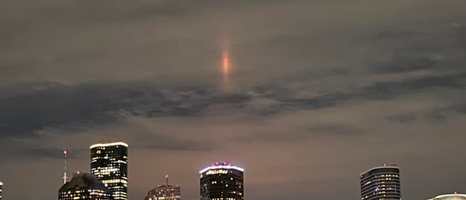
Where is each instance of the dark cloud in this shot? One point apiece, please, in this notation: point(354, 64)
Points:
point(58, 106)
point(391, 89)
point(337, 130)
point(183, 146)
point(45, 153)
point(436, 116)
point(86, 105)
point(402, 118)
point(318, 131)
point(403, 65)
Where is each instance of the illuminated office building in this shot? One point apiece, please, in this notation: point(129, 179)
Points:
point(381, 183)
point(1, 190)
point(109, 163)
point(84, 186)
point(164, 192)
point(454, 196)
point(222, 181)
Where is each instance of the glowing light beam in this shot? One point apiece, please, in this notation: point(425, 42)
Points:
point(226, 64)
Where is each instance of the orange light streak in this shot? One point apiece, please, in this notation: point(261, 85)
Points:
point(226, 64)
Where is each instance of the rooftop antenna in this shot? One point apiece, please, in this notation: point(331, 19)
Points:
point(64, 175)
point(166, 179)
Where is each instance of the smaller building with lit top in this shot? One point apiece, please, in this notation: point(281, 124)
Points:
point(222, 181)
point(450, 197)
point(84, 186)
point(381, 183)
point(164, 192)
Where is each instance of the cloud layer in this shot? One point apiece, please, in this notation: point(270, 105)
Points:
point(319, 91)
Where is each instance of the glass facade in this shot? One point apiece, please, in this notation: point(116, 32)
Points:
point(222, 181)
point(84, 187)
point(164, 192)
point(381, 183)
point(109, 163)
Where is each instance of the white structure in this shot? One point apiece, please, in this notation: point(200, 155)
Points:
point(450, 197)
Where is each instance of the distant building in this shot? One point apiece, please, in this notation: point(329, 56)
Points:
point(164, 192)
point(109, 163)
point(450, 197)
point(381, 183)
point(84, 186)
point(222, 181)
point(1, 190)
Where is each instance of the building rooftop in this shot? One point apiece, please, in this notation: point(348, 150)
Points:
point(164, 186)
point(393, 166)
point(1, 183)
point(219, 165)
point(109, 144)
point(450, 197)
point(83, 180)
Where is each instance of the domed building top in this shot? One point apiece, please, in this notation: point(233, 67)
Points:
point(83, 180)
point(450, 197)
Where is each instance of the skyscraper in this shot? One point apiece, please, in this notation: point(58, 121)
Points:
point(454, 196)
point(84, 186)
point(1, 190)
point(222, 181)
point(109, 163)
point(164, 192)
point(381, 183)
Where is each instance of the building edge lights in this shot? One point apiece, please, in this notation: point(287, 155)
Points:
point(108, 144)
point(381, 167)
point(1, 183)
point(221, 167)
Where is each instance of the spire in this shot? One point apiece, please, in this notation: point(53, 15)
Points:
point(64, 174)
point(166, 179)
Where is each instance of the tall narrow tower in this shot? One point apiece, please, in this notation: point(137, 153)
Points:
point(109, 163)
point(222, 181)
point(64, 173)
point(381, 183)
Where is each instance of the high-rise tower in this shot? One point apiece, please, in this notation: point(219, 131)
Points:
point(109, 163)
point(222, 181)
point(381, 183)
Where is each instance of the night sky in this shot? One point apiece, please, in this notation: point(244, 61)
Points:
point(304, 94)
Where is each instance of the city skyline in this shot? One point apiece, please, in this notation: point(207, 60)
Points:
point(303, 94)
